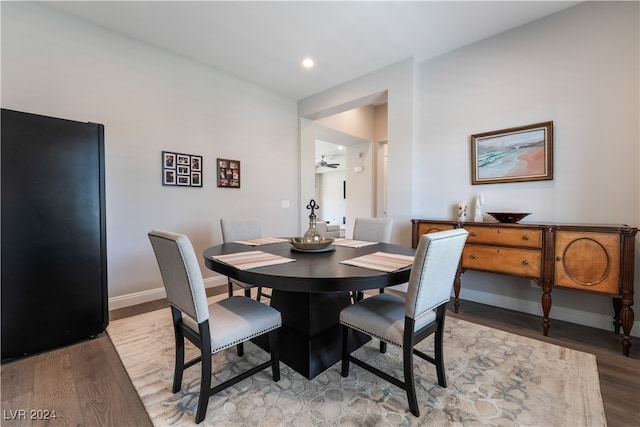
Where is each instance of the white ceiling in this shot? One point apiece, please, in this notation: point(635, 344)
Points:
point(264, 42)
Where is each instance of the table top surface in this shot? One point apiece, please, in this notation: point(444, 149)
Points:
point(311, 271)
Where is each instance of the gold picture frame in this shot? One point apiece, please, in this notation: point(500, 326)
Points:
point(518, 154)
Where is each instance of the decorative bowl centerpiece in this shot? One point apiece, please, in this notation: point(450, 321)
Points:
point(510, 217)
point(319, 245)
point(312, 241)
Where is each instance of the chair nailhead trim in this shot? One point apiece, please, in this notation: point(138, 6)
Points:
point(432, 308)
point(371, 334)
point(257, 334)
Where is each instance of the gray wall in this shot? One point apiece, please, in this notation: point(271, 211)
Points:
point(151, 101)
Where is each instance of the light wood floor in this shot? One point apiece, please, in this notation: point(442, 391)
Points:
point(86, 384)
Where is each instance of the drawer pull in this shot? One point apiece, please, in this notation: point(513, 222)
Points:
point(525, 262)
point(525, 237)
point(473, 256)
point(558, 258)
point(473, 233)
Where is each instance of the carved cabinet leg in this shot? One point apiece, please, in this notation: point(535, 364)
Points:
point(626, 318)
point(546, 308)
point(617, 306)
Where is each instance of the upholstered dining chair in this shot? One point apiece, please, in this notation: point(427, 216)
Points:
point(371, 230)
point(234, 229)
point(210, 327)
point(405, 322)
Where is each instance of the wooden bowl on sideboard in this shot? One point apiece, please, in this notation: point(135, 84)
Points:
point(508, 217)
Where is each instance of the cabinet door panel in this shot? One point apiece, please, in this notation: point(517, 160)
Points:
point(519, 262)
point(588, 261)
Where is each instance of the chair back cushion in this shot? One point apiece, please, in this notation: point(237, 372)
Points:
point(373, 229)
point(240, 229)
point(434, 269)
point(180, 273)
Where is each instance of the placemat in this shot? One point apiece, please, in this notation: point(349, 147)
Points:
point(251, 259)
point(350, 243)
point(261, 241)
point(381, 261)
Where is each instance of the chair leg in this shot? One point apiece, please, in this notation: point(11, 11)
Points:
point(259, 295)
point(356, 296)
point(239, 347)
point(205, 376)
point(409, 384)
point(439, 356)
point(275, 354)
point(179, 361)
point(345, 351)
point(230, 288)
point(247, 293)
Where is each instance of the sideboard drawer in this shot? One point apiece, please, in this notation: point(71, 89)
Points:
point(519, 262)
point(529, 238)
point(425, 228)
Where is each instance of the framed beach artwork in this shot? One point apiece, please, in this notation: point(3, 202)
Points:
point(518, 154)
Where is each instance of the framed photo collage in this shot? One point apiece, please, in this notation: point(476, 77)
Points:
point(182, 170)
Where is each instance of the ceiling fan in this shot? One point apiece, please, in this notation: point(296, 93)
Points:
point(324, 164)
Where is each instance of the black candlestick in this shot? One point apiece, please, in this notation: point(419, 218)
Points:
point(312, 235)
point(313, 206)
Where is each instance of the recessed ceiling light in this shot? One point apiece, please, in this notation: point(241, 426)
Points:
point(307, 63)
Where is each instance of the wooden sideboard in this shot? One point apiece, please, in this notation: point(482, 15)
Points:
point(597, 259)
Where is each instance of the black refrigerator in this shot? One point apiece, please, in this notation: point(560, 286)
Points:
point(54, 259)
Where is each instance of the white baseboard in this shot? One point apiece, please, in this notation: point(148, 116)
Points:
point(157, 293)
point(585, 318)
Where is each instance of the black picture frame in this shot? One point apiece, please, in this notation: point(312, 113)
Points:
point(181, 170)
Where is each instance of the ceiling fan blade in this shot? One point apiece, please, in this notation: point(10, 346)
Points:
point(323, 164)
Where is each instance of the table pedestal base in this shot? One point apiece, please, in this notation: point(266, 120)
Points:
point(310, 339)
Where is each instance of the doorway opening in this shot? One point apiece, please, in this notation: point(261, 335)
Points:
point(357, 184)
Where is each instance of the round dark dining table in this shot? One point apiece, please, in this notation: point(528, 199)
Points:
point(310, 293)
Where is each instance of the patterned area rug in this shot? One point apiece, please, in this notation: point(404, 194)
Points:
point(494, 378)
